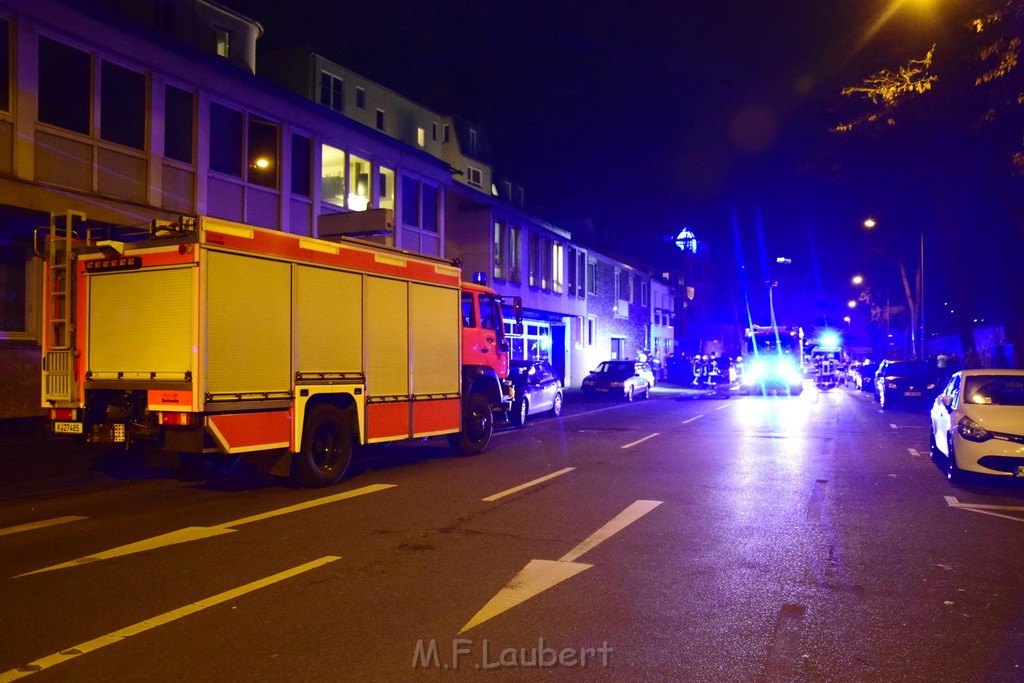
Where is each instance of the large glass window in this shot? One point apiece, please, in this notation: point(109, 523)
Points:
point(431, 205)
point(557, 267)
point(386, 188)
point(65, 86)
point(13, 287)
point(5, 66)
point(592, 276)
point(410, 201)
point(515, 254)
point(534, 260)
point(263, 152)
point(225, 140)
point(122, 106)
point(332, 175)
point(359, 179)
point(572, 272)
point(302, 165)
point(547, 264)
point(500, 249)
point(179, 117)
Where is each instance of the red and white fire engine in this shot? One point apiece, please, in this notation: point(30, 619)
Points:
point(212, 337)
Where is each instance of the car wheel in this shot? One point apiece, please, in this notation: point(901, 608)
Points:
point(477, 427)
point(953, 473)
point(556, 404)
point(647, 391)
point(881, 399)
point(629, 394)
point(519, 412)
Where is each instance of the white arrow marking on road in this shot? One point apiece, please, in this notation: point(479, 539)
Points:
point(159, 620)
point(195, 533)
point(986, 509)
point(539, 575)
point(639, 441)
point(41, 524)
point(695, 417)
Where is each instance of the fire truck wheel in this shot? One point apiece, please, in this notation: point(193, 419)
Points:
point(326, 447)
point(477, 425)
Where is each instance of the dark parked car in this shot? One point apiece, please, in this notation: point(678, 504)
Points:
point(538, 390)
point(863, 375)
point(619, 378)
point(905, 380)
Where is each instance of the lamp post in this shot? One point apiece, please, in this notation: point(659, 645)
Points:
point(917, 321)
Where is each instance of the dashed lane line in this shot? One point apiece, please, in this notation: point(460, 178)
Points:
point(517, 489)
point(695, 417)
point(40, 524)
point(640, 441)
point(159, 620)
point(195, 533)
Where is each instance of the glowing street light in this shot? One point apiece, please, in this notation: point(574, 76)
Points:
point(857, 280)
point(869, 223)
point(851, 303)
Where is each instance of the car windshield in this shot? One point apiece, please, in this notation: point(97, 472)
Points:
point(995, 390)
point(914, 370)
point(616, 369)
point(518, 370)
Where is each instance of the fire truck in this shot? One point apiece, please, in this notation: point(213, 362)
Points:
point(211, 338)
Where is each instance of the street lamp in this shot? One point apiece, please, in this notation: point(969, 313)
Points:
point(857, 280)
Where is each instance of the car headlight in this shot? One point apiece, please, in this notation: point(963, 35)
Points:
point(971, 430)
point(890, 385)
point(618, 385)
point(588, 381)
point(930, 386)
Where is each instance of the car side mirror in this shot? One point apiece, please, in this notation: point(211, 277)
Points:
point(947, 401)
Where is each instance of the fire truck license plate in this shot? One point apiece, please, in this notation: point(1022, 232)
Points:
point(67, 427)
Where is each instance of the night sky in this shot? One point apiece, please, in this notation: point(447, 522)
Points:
point(650, 116)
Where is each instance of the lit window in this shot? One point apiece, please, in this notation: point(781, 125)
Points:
point(386, 188)
point(332, 175)
point(500, 249)
point(263, 154)
point(421, 137)
point(222, 41)
point(557, 267)
point(359, 178)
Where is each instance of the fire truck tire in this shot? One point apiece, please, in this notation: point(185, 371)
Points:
point(477, 426)
point(326, 447)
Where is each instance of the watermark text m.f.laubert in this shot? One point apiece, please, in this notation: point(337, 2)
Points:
point(483, 655)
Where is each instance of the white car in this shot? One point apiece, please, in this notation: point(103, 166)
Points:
point(978, 423)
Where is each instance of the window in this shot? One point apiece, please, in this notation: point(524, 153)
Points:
point(5, 66)
point(643, 293)
point(65, 86)
point(332, 175)
point(179, 123)
point(421, 137)
point(433, 131)
point(557, 267)
point(592, 277)
point(359, 179)
point(386, 188)
point(332, 92)
point(630, 287)
point(547, 263)
point(302, 165)
point(225, 140)
point(410, 201)
point(591, 330)
point(474, 177)
point(473, 141)
point(431, 205)
point(534, 263)
point(618, 285)
point(500, 250)
point(572, 272)
point(380, 119)
point(222, 42)
point(468, 315)
point(14, 287)
point(263, 152)
point(446, 131)
point(489, 318)
point(360, 97)
point(581, 274)
point(515, 254)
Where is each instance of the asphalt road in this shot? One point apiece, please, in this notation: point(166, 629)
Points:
point(675, 539)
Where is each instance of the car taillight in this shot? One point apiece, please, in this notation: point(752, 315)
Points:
point(177, 419)
point(63, 414)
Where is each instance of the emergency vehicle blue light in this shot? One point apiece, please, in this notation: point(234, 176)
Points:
point(830, 338)
point(480, 277)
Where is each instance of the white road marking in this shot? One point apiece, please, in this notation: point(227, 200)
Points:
point(893, 425)
point(914, 453)
point(727, 405)
point(40, 524)
point(195, 533)
point(638, 441)
point(159, 620)
point(539, 575)
point(986, 509)
point(695, 417)
point(516, 489)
